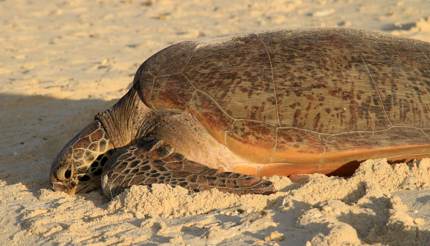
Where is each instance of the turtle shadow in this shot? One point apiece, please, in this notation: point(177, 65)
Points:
point(33, 131)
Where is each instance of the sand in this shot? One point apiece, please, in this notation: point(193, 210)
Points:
point(63, 61)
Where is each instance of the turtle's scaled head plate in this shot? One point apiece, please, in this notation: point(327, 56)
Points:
point(78, 166)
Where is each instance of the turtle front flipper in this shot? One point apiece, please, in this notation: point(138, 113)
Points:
point(151, 161)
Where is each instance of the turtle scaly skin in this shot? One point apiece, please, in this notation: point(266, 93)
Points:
point(152, 161)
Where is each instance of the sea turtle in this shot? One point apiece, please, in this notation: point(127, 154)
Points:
point(223, 113)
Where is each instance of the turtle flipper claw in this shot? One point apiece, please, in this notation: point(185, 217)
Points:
point(140, 164)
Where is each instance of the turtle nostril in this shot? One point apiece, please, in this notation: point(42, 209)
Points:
point(68, 174)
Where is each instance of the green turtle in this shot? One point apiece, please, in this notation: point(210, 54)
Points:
point(224, 113)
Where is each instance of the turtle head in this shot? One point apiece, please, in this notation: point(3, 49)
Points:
point(78, 166)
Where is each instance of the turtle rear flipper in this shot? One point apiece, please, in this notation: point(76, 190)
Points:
point(151, 161)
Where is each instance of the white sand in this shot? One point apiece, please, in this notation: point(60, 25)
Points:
point(62, 62)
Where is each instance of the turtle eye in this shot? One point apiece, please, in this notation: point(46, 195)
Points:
point(64, 174)
point(68, 173)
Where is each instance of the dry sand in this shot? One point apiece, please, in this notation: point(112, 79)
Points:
point(63, 61)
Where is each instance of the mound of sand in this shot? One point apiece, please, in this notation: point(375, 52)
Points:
point(323, 210)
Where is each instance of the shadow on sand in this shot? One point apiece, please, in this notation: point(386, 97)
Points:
point(33, 129)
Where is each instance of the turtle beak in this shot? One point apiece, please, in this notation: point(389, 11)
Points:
point(69, 188)
point(57, 186)
point(61, 187)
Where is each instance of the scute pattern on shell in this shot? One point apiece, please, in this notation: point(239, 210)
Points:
point(306, 91)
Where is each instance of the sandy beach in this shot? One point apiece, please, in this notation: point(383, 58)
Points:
point(64, 61)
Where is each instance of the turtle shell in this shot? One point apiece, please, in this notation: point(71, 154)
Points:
point(312, 99)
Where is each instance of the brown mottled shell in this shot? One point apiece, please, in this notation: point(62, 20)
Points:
point(311, 99)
